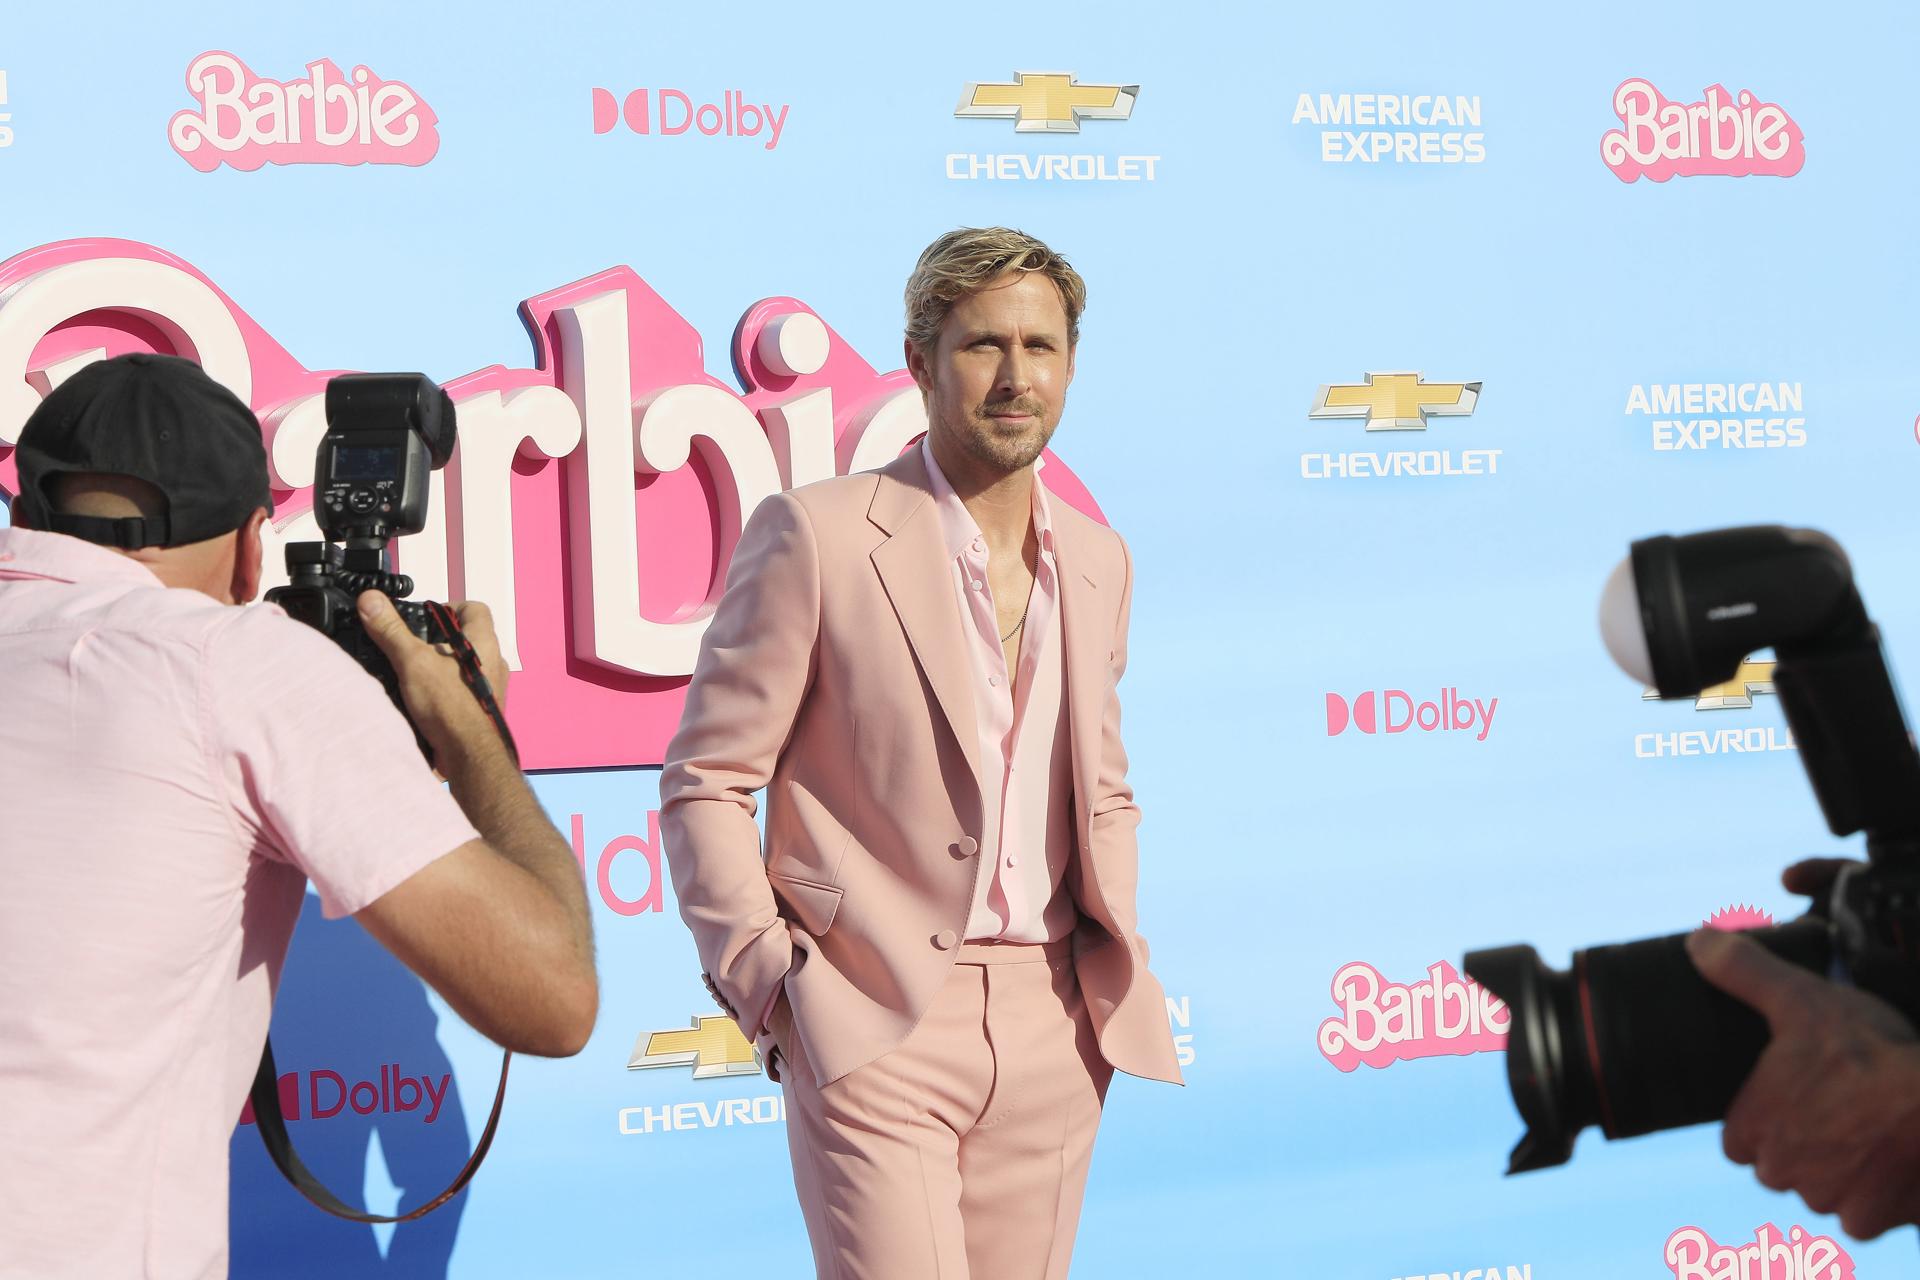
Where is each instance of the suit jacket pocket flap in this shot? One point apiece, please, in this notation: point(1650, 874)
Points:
point(808, 903)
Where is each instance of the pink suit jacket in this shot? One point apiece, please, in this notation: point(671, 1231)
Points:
point(834, 674)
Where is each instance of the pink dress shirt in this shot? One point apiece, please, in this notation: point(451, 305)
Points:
point(172, 773)
point(1026, 778)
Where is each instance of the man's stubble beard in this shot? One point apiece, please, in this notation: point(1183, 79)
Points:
point(1006, 454)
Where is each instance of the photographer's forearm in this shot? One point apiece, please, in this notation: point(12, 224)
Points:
point(531, 984)
point(493, 793)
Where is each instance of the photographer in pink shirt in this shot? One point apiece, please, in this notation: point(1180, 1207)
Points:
point(176, 769)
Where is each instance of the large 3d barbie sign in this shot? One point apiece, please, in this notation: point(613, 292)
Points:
point(594, 499)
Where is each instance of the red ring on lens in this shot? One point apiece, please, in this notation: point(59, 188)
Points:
point(1593, 1044)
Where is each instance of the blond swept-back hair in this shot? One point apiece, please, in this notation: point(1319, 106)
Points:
point(963, 262)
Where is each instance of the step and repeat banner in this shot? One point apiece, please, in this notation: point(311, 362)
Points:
point(1404, 321)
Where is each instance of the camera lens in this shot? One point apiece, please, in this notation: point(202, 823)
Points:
point(1549, 1063)
point(1630, 1038)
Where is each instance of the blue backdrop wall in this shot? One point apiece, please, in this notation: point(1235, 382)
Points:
point(1300, 226)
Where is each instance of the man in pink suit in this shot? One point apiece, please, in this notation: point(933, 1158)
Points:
point(937, 955)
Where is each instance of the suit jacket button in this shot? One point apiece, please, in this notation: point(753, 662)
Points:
point(965, 847)
point(945, 939)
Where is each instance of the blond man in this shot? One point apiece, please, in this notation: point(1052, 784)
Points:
point(937, 952)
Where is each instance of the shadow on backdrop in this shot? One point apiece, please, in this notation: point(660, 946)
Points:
point(372, 1107)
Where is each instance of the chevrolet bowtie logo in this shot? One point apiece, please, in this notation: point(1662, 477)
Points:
point(712, 1047)
point(1751, 678)
point(1048, 102)
point(1396, 401)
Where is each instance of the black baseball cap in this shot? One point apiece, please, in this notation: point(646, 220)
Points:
point(156, 418)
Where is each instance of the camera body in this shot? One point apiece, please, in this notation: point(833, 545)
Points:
point(1592, 1045)
point(321, 591)
point(386, 432)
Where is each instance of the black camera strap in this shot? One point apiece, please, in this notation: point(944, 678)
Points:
point(267, 1116)
point(470, 672)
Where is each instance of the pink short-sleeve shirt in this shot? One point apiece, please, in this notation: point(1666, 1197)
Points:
point(173, 771)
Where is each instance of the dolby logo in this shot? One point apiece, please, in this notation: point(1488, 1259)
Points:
point(1397, 711)
point(671, 113)
point(328, 1093)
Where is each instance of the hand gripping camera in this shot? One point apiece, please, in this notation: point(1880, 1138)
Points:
point(1592, 1045)
point(385, 433)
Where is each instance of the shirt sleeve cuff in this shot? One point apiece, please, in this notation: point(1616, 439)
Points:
point(338, 900)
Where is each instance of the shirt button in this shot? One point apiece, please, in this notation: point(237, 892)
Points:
point(978, 585)
point(1013, 859)
point(978, 545)
point(945, 939)
point(965, 847)
point(994, 681)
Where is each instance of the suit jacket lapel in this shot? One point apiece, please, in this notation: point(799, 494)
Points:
point(1087, 636)
point(914, 569)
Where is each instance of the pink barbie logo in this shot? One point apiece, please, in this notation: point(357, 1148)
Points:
point(1734, 919)
point(1395, 711)
point(669, 113)
point(1692, 1255)
point(1383, 1022)
point(594, 500)
point(1721, 134)
point(322, 118)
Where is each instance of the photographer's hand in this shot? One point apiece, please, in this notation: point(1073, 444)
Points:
point(1832, 1109)
point(1812, 877)
point(476, 623)
point(534, 985)
point(437, 698)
